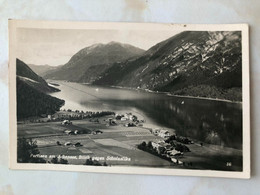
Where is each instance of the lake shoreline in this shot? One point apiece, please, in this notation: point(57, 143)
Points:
point(124, 139)
point(168, 93)
point(205, 98)
point(159, 92)
point(176, 114)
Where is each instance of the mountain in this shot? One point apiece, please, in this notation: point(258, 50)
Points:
point(42, 70)
point(31, 90)
point(100, 55)
point(195, 63)
point(32, 102)
point(27, 75)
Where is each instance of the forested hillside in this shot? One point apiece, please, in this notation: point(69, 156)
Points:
point(27, 75)
point(32, 102)
point(193, 63)
point(31, 93)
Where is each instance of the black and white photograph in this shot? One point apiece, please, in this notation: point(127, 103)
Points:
point(130, 98)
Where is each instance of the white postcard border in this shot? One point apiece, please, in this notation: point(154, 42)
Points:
point(15, 24)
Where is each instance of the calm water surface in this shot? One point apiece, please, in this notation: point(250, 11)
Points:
point(213, 122)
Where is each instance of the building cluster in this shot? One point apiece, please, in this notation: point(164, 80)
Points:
point(71, 132)
point(76, 115)
point(161, 132)
point(172, 146)
point(130, 119)
point(126, 116)
point(167, 150)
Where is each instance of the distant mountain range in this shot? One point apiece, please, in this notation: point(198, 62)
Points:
point(32, 97)
point(191, 63)
point(27, 75)
point(43, 70)
point(88, 63)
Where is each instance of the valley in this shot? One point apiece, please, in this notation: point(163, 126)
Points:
point(175, 105)
point(205, 64)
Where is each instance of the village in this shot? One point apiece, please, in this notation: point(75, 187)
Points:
point(164, 148)
point(120, 135)
point(172, 148)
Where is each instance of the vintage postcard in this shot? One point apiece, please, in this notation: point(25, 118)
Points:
point(134, 98)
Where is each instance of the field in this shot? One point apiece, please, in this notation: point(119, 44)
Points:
point(115, 141)
point(117, 145)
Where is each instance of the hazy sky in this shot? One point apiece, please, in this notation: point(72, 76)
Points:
point(56, 46)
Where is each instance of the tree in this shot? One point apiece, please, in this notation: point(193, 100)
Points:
point(63, 161)
point(149, 145)
point(93, 162)
point(55, 160)
point(89, 162)
point(26, 151)
point(32, 103)
point(143, 144)
point(162, 150)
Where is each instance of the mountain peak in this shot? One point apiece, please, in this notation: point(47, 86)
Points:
point(92, 47)
point(94, 55)
point(124, 45)
point(111, 43)
point(114, 42)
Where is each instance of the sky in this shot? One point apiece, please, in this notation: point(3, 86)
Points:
point(56, 46)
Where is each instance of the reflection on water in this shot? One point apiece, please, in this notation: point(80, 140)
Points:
point(212, 122)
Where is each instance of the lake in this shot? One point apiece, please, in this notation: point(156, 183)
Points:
point(209, 121)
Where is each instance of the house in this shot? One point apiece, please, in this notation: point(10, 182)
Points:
point(67, 144)
point(66, 122)
point(159, 146)
point(68, 132)
point(176, 161)
point(155, 131)
point(118, 117)
point(164, 133)
point(130, 125)
point(77, 144)
point(174, 153)
point(109, 119)
point(155, 145)
point(97, 132)
point(127, 116)
point(124, 118)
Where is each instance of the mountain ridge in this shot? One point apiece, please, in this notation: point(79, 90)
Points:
point(42, 70)
point(97, 54)
point(31, 93)
point(26, 74)
point(186, 60)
